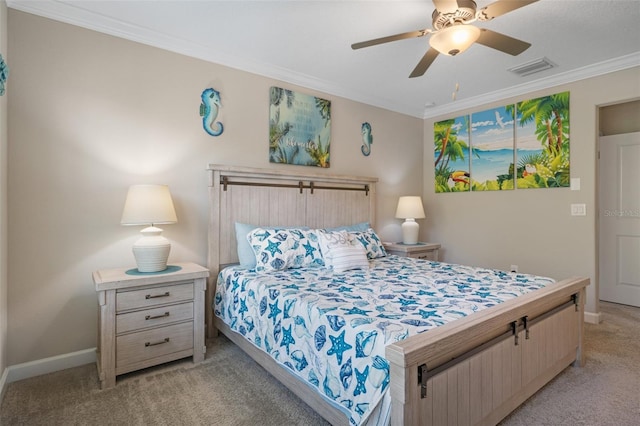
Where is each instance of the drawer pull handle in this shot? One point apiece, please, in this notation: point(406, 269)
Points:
point(166, 340)
point(165, 294)
point(149, 317)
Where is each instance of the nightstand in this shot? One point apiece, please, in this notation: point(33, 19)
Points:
point(147, 319)
point(428, 251)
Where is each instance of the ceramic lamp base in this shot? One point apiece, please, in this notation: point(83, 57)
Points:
point(152, 250)
point(410, 229)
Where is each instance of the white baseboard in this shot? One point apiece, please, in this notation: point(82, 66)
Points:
point(3, 383)
point(593, 317)
point(74, 359)
point(47, 365)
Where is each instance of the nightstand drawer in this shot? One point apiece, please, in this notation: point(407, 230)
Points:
point(429, 255)
point(153, 317)
point(426, 251)
point(153, 296)
point(145, 345)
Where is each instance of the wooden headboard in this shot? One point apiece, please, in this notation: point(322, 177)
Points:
point(269, 197)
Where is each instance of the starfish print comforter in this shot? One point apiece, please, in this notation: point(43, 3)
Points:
point(330, 329)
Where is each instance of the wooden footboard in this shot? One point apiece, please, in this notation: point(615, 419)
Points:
point(478, 369)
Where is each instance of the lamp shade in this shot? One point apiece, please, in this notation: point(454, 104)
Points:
point(454, 39)
point(148, 205)
point(410, 207)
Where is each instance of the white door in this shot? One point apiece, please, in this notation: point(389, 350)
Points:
point(619, 219)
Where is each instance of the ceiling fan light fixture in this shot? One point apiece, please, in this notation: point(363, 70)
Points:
point(454, 39)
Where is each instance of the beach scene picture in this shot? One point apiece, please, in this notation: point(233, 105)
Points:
point(521, 146)
point(492, 152)
point(542, 142)
point(451, 155)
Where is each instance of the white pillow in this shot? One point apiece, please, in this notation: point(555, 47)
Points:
point(346, 257)
point(340, 252)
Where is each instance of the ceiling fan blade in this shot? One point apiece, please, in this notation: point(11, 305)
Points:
point(424, 63)
point(446, 6)
point(501, 7)
point(381, 40)
point(502, 42)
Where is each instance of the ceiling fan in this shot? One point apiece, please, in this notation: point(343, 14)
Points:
point(453, 33)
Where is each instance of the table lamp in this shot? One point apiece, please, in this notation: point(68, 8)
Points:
point(150, 205)
point(410, 208)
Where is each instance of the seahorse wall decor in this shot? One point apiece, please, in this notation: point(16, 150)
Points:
point(367, 139)
point(4, 74)
point(209, 112)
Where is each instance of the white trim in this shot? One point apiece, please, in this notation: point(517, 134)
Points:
point(592, 70)
point(76, 15)
point(593, 317)
point(50, 365)
point(3, 383)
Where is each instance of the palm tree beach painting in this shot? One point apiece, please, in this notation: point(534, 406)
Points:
point(492, 149)
point(451, 139)
point(542, 142)
point(519, 146)
point(299, 128)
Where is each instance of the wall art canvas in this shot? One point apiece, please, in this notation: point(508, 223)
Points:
point(451, 138)
point(492, 153)
point(542, 142)
point(521, 146)
point(299, 128)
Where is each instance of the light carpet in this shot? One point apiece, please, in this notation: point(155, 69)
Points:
point(229, 388)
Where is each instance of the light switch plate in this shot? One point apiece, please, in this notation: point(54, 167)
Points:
point(575, 184)
point(578, 209)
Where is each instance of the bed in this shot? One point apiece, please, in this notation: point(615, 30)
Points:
point(472, 370)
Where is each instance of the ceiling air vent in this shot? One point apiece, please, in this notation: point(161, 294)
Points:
point(532, 67)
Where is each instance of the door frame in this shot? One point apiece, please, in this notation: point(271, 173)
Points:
point(596, 318)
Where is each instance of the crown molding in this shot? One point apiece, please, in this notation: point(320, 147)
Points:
point(592, 70)
point(75, 15)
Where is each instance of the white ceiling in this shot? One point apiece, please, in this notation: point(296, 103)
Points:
point(308, 43)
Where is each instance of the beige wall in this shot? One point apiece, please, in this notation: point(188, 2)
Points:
point(619, 118)
point(3, 196)
point(91, 114)
point(532, 228)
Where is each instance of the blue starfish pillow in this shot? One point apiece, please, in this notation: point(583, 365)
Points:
point(371, 242)
point(279, 249)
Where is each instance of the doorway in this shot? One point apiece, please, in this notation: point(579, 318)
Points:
point(619, 219)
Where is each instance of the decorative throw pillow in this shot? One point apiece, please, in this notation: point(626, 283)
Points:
point(279, 249)
point(340, 252)
point(246, 256)
point(371, 243)
point(329, 240)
